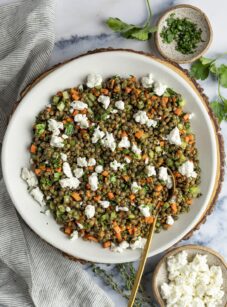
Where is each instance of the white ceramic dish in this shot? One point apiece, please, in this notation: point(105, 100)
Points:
point(18, 137)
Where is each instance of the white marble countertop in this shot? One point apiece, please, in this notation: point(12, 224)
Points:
point(80, 26)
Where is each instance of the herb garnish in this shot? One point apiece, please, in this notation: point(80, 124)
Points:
point(204, 67)
point(127, 273)
point(126, 30)
point(184, 32)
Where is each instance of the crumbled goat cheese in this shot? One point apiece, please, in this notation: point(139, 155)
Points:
point(93, 181)
point(136, 149)
point(114, 111)
point(67, 209)
point(29, 177)
point(151, 123)
point(55, 126)
point(191, 115)
point(64, 136)
point(97, 135)
point(81, 120)
point(120, 105)
point(94, 80)
point(192, 283)
point(135, 187)
point(105, 101)
point(174, 137)
point(124, 143)
point(99, 169)
point(163, 175)
point(91, 162)
point(139, 243)
point(150, 169)
point(141, 117)
point(79, 105)
point(145, 210)
point(80, 225)
point(78, 172)
point(37, 194)
point(117, 208)
point(56, 141)
point(104, 203)
point(74, 235)
point(169, 220)
point(146, 161)
point(127, 160)
point(116, 165)
point(119, 248)
point(89, 211)
point(71, 183)
point(187, 169)
point(82, 162)
point(63, 157)
point(67, 170)
point(159, 88)
point(147, 81)
point(109, 141)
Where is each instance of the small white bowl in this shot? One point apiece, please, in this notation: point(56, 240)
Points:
point(160, 274)
point(194, 14)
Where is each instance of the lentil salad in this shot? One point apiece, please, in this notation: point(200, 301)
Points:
point(106, 154)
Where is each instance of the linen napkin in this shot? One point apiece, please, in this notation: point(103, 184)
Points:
point(32, 273)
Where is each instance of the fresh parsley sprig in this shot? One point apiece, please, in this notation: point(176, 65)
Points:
point(204, 67)
point(126, 30)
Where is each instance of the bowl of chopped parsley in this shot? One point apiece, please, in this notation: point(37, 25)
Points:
point(184, 34)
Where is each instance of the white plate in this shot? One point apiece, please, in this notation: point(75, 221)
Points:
point(18, 137)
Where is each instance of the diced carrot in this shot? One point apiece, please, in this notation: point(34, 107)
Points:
point(75, 112)
point(118, 235)
point(68, 230)
point(158, 188)
point(75, 97)
point(105, 91)
point(37, 171)
point(91, 168)
point(174, 207)
point(178, 111)
point(165, 99)
point(76, 196)
point(153, 97)
point(110, 195)
point(161, 143)
point(69, 119)
point(177, 174)
point(117, 230)
point(91, 238)
point(189, 201)
point(132, 197)
point(130, 231)
point(42, 167)
point(186, 117)
point(124, 133)
point(105, 173)
point(106, 244)
point(59, 169)
point(88, 194)
point(97, 198)
point(149, 220)
point(187, 139)
point(128, 90)
point(137, 91)
point(139, 134)
point(48, 169)
point(144, 157)
point(126, 177)
point(117, 89)
point(33, 148)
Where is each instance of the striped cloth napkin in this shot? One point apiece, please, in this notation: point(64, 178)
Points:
point(32, 273)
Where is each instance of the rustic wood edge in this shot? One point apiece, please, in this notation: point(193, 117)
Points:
point(204, 97)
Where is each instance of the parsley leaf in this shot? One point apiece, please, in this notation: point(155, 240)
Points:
point(222, 72)
point(201, 68)
point(126, 30)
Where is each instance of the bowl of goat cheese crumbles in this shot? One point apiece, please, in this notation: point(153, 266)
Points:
point(191, 275)
point(104, 151)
